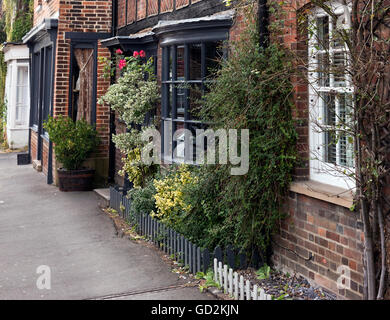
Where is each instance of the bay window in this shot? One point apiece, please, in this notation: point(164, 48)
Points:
point(187, 68)
point(191, 51)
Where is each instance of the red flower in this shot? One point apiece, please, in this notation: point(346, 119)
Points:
point(119, 51)
point(142, 54)
point(122, 64)
point(136, 54)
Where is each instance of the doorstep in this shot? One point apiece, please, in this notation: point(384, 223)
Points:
point(103, 195)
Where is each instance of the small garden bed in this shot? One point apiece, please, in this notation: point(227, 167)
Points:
point(285, 286)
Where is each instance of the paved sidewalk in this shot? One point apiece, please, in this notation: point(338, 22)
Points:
point(69, 233)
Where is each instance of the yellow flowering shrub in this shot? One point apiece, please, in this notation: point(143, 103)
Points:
point(137, 172)
point(169, 196)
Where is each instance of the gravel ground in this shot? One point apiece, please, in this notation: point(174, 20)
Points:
point(287, 286)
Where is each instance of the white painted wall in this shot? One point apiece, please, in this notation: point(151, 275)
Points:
point(17, 95)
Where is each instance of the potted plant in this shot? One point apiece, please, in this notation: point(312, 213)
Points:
point(73, 143)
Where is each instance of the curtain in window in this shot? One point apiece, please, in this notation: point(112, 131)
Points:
point(84, 58)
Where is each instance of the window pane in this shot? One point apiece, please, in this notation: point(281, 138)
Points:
point(338, 24)
point(323, 70)
point(196, 62)
point(181, 99)
point(338, 69)
point(330, 146)
point(22, 95)
point(214, 54)
point(323, 32)
point(169, 52)
point(170, 101)
point(329, 109)
point(180, 63)
point(346, 141)
point(195, 101)
point(22, 76)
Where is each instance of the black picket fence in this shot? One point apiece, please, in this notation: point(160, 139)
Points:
point(176, 245)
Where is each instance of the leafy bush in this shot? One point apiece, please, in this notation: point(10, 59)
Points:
point(135, 93)
point(142, 199)
point(73, 141)
point(253, 91)
point(132, 97)
point(170, 203)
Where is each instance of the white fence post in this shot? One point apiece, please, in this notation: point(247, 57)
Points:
point(241, 288)
point(255, 292)
point(235, 285)
point(248, 290)
point(215, 270)
point(230, 277)
point(220, 274)
point(262, 295)
point(225, 277)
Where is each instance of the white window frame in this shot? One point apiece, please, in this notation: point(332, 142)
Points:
point(23, 121)
point(321, 171)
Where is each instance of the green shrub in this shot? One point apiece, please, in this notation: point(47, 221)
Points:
point(142, 199)
point(73, 141)
point(253, 91)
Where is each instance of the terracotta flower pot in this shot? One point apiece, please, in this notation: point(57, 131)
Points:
point(75, 180)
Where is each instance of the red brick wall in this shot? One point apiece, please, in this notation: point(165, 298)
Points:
point(76, 16)
point(334, 237)
point(34, 145)
point(48, 8)
point(82, 16)
point(45, 156)
point(140, 9)
point(295, 37)
point(331, 233)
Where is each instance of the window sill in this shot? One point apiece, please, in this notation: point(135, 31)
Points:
point(325, 192)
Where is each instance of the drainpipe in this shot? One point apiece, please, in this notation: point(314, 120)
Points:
point(263, 23)
point(30, 73)
point(114, 23)
point(112, 148)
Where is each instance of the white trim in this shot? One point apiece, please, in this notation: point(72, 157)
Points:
point(320, 170)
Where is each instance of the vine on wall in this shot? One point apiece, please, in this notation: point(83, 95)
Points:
point(16, 19)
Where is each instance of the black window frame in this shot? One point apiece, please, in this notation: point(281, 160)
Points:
point(81, 40)
point(198, 33)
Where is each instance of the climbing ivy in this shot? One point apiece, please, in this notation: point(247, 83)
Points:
point(16, 21)
point(252, 92)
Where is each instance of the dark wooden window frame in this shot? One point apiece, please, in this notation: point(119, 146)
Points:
point(171, 37)
point(80, 40)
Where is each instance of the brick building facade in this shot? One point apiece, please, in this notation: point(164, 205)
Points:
point(321, 239)
point(321, 234)
point(62, 28)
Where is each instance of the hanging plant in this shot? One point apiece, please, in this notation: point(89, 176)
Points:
point(132, 97)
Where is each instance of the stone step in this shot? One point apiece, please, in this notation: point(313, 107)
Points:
point(37, 165)
point(103, 195)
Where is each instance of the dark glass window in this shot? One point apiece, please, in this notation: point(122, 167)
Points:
point(186, 70)
point(48, 83)
point(35, 92)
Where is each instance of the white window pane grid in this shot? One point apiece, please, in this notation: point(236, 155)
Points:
point(330, 97)
point(22, 96)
